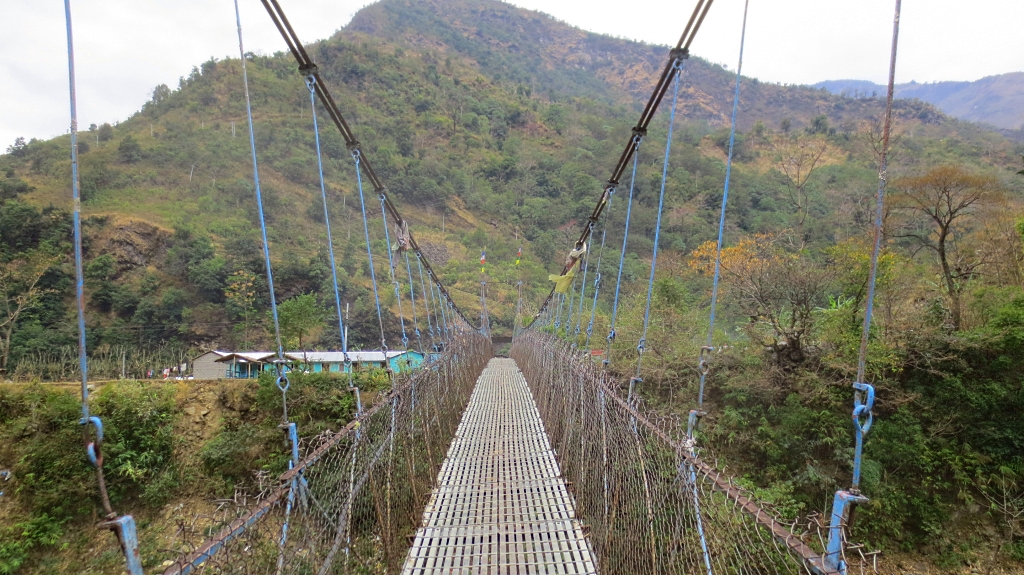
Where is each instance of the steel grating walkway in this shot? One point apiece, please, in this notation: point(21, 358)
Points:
point(500, 506)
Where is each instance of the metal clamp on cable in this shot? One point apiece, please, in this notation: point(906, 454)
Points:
point(863, 414)
point(842, 505)
point(641, 346)
point(128, 537)
point(124, 526)
point(702, 359)
point(691, 422)
point(308, 70)
point(677, 55)
point(94, 449)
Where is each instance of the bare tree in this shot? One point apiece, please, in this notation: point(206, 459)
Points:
point(943, 200)
point(19, 292)
point(1005, 496)
point(797, 156)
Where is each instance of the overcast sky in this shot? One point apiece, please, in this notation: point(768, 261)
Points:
point(124, 48)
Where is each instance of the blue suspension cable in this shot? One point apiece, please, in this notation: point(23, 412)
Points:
point(568, 308)
point(597, 272)
point(444, 316)
point(310, 83)
point(583, 292)
point(369, 251)
point(282, 381)
point(558, 312)
point(864, 393)
point(259, 196)
point(391, 270)
point(641, 345)
point(123, 526)
point(702, 360)
point(622, 257)
point(412, 298)
point(426, 302)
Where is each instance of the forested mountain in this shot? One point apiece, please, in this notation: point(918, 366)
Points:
point(995, 100)
point(495, 127)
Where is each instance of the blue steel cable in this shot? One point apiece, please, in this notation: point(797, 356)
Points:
point(310, 83)
point(702, 360)
point(259, 197)
point(864, 393)
point(443, 330)
point(76, 218)
point(282, 380)
point(369, 251)
point(426, 302)
point(391, 269)
point(444, 316)
point(436, 308)
point(597, 272)
point(641, 345)
point(583, 292)
point(568, 308)
point(412, 298)
point(558, 312)
point(622, 256)
point(123, 526)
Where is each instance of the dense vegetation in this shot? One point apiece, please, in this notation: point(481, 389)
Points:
point(494, 128)
point(153, 455)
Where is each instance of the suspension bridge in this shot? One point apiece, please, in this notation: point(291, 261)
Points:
point(542, 462)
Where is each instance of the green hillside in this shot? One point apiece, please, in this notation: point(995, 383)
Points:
point(495, 127)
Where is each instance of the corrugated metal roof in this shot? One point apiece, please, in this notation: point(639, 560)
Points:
point(312, 356)
point(249, 356)
point(339, 357)
point(215, 352)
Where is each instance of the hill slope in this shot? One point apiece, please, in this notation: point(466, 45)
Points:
point(495, 127)
point(996, 100)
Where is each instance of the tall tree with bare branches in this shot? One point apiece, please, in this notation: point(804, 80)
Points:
point(941, 203)
point(797, 156)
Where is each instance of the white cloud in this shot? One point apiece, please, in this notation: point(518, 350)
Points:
point(125, 48)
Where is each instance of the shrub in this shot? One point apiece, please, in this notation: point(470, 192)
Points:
point(139, 443)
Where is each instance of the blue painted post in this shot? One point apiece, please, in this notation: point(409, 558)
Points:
point(841, 506)
point(128, 537)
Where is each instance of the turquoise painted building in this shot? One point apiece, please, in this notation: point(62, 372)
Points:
point(249, 364)
point(334, 361)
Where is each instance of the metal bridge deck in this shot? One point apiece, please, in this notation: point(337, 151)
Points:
point(500, 506)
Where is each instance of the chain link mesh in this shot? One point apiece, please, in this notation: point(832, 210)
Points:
point(357, 495)
point(649, 505)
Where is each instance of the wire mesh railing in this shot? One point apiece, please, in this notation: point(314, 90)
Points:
point(352, 501)
point(648, 504)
